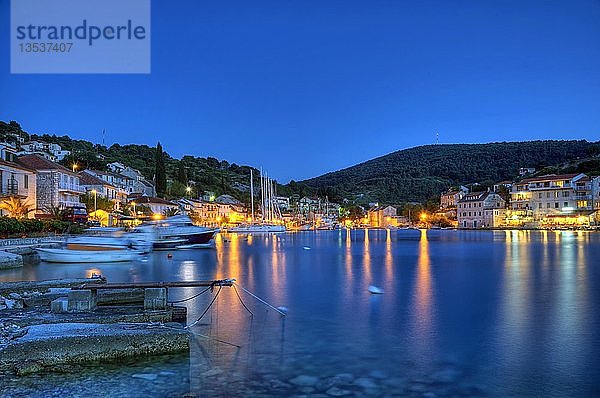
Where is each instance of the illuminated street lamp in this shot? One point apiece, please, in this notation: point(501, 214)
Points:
point(134, 213)
point(75, 166)
point(188, 190)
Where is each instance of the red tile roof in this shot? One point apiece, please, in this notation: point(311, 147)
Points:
point(551, 177)
point(89, 179)
point(149, 199)
point(15, 165)
point(37, 162)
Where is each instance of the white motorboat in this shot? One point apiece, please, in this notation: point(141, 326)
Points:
point(176, 232)
point(105, 255)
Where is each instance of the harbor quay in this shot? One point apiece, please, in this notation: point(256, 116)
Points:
point(53, 324)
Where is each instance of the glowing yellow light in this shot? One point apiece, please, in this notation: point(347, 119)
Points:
point(156, 216)
point(188, 189)
point(423, 216)
point(94, 191)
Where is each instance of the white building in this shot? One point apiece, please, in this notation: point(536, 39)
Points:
point(53, 152)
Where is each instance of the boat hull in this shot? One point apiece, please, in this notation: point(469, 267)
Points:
point(86, 256)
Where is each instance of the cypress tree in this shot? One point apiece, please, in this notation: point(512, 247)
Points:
point(181, 174)
point(160, 173)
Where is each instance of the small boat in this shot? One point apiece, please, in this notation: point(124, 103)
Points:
point(375, 290)
point(104, 255)
point(257, 228)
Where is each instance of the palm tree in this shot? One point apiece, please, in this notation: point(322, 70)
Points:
point(55, 212)
point(15, 207)
point(170, 212)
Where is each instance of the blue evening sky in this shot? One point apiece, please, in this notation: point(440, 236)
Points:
point(306, 87)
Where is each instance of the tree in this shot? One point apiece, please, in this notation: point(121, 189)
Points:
point(15, 207)
point(170, 212)
point(181, 174)
point(160, 174)
point(55, 212)
point(102, 203)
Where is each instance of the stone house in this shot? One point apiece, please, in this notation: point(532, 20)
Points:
point(480, 210)
point(56, 185)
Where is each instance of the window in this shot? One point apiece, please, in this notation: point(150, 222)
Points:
point(565, 194)
point(566, 204)
point(25, 181)
point(547, 194)
point(547, 205)
point(556, 205)
point(540, 195)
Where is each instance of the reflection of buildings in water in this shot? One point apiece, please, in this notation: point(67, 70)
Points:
point(388, 262)
point(423, 288)
point(367, 259)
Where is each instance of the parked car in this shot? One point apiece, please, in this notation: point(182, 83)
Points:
point(76, 215)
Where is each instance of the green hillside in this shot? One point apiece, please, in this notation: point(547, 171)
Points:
point(203, 174)
point(417, 174)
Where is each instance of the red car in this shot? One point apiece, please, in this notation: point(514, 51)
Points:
point(76, 215)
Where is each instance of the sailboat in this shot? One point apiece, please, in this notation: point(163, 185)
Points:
point(271, 219)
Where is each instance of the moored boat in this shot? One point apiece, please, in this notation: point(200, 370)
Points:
point(104, 255)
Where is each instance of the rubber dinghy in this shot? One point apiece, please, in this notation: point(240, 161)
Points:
point(375, 290)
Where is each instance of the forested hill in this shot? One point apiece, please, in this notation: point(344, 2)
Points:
point(203, 174)
point(417, 174)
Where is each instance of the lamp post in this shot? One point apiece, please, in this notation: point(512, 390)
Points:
point(95, 200)
point(134, 213)
point(74, 167)
point(189, 191)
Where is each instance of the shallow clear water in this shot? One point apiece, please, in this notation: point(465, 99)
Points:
point(464, 313)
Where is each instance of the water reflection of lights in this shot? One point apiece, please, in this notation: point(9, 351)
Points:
point(92, 271)
point(348, 257)
point(388, 256)
point(367, 258)
point(423, 293)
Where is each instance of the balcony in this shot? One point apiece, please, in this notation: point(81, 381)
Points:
point(71, 187)
point(11, 188)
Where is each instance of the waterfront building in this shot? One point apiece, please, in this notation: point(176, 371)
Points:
point(132, 181)
point(383, 217)
point(480, 210)
point(156, 205)
point(308, 205)
point(213, 213)
point(450, 198)
point(17, 182)
point(283, 202)
point(90, 182)
point(56, 185)
point(564, 199)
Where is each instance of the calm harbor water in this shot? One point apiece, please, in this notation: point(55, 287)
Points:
point(464, 313)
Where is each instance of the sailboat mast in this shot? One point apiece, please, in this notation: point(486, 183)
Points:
point(252, 194)
point(262, 194)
